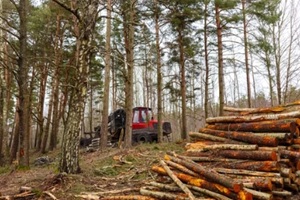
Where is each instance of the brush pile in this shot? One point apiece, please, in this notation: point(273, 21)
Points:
point(248, 154)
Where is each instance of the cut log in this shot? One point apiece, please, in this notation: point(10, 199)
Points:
point(181, 168)
point(262, 126)
point(194, 157)
point(244, 137)
point(177, 181)
point(202, 183)
point(195, 136)
point(237, 119)
point(265, 166)
point(259, 195)
point(248, 155)
point(282, 193)
point(294, 129)
point(127, 197)
point(245, 111)
point(173, 188)
point(247, 172)
point(210, 174)
point(161, 195)
point(224, 147)
point(292, 155)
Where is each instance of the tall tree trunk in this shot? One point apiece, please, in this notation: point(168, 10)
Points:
point(104, 125)
point(220, 60)
point(159, 75)
point(246, 54)
point(290, 49)
point(182, 83)
point(1, 88)
point(86, 20)
point(55, 85)
point(129, 17)
point(23, 86)
point(206, 88)
point(277, 55)
point(49, 119)
point(14, 144)
point(41, 102)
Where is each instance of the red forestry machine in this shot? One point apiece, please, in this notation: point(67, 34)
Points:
point(144, 127)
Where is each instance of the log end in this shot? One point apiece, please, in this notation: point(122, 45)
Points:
point(243, 195)
point(237, 187)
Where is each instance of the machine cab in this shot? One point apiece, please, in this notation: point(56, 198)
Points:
point(142, 118)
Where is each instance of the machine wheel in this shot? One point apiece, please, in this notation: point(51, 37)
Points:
point(143, 138)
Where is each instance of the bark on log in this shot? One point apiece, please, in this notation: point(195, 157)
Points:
point(194, 157)
point(248, 155)
point(181, 168)
point(214, 187)
point(282, 193)
point(292, 155)
point(246, 111)
point(265, 166)
point(161, 195)
point(194, 188)
point(259, 195)
point(224, 147)
point(210, 174)
point(127, 197)
point(196, 136)
point(244, 137)
point(247, 172)
point(237, 119)
point(262, 126)
point(177, 181)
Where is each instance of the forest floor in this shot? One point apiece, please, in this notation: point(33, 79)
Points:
point(112, 171)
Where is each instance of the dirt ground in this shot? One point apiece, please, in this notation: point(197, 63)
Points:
point(112, 172)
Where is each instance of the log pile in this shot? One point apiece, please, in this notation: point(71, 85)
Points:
point(249, 154)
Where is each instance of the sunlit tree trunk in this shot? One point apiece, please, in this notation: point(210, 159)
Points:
point(206, 87)
point(159, 75)
point(104, 125)
point(128, 21)
point(246, 54)
point(220, 60)
point(55, 85)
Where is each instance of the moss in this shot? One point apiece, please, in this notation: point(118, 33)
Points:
point(4, 169)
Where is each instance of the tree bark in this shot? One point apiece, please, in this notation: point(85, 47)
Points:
point(256, 118)
point(265, 166)
point(202, 183)
point(128, 28)
point(159, 76)
point(220, 59)
point(210, 174)
point(104, 125)
point(244, 137)
point(263, 126)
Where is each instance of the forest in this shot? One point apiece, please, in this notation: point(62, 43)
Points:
point(66, 64)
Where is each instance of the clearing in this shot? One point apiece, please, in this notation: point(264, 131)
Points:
point(114, 170)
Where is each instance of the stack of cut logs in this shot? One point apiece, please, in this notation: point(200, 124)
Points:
point(248, 154)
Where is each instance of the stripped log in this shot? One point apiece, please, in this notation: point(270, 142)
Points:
point(244, 137)
point(181, 168)
point(214, 187)
point(224, 147)
point(210, 174)
point(265, 166)
point(256, 118)
point(262, 126)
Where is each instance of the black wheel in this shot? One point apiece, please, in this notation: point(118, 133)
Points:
point(143, 138)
